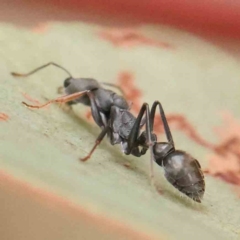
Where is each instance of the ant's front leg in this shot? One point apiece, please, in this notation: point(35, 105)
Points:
point(99, 118)
point(63, 99)
point(95, 113)
point(71, 97)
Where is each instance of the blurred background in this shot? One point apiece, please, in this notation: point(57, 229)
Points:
point(182, 53)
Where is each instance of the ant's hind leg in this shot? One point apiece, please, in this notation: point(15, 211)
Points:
point(63, 99)
point(164, 120)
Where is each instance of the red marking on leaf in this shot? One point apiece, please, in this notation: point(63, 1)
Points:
point(226, 167)
point(159, 190)
point(179, 122)
point(127, 165)
point(4, 117)
point(25, 95)
point(88, 115)
point(225, 162)
point(237, 190)
point(131, 92)
point(125, 37)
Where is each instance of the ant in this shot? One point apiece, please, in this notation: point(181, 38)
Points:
point(111, 113)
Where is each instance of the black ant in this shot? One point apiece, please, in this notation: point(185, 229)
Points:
point(111, 113)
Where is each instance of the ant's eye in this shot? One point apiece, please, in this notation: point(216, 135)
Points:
point(67, 82)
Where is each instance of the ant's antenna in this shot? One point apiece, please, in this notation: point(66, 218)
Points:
point(39, 68)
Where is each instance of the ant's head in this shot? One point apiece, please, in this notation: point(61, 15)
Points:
point(161, 150)
point(67, 82)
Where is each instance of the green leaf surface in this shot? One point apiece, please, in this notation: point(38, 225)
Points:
point(43, 146)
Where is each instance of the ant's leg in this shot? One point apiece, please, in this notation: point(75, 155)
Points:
point(63, 99)
point(97, 142)
point(164, 120)
point(95, 111)
point(39, 68)
point(67, 98)
point(133, 136)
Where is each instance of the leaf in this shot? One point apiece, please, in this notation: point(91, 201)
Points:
point(42, 147)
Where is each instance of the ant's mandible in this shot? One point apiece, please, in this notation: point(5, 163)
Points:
point(111, 113)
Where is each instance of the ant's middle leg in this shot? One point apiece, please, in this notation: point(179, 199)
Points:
point(97, 142)
point(100, 122)
point(134, 135)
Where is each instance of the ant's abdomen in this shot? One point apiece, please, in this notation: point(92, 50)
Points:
point(184, 173)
